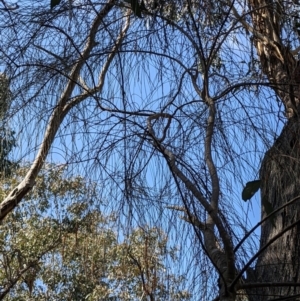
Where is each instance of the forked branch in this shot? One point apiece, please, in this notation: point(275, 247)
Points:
point(62, 108)
point(224, 261)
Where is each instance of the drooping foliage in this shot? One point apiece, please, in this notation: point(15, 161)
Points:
point(171, 106)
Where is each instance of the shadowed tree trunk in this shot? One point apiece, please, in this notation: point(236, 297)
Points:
point(280, 173)
point(280, 169)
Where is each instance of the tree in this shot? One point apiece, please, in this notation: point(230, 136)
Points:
point(170, 105)
point(6, 135)
point(59, 246)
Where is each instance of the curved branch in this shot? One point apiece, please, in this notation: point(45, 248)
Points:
point(273, 239)
point(251, 285)
point(208, 155)
point(13, 282)
point(263, 220)
point(223, 260)
point(61, 110)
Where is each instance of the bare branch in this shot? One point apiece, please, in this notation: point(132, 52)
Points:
point(61, 110)
point(224, 261)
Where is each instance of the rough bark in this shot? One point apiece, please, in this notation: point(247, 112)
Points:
point(280, 169)
point(280, 174)
point(277, 59)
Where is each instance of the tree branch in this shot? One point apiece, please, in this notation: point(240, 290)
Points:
point(61, 110)
point(224, 261)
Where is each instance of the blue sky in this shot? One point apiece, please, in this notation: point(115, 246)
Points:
point(153, 83)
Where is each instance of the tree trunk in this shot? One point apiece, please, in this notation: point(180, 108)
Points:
point(280, 174)
point(280, 169)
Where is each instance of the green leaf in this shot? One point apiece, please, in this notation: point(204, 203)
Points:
point(250, 189)
point(135, 6)
point(54, 3)
point(268, 207)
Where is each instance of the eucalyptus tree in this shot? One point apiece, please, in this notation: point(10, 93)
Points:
point(172, 107)
point(59, 245)
point(7, 138)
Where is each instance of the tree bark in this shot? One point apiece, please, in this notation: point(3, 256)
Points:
point(280, 169)
point(280, 174)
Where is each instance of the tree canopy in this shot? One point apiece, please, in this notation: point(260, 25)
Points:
point(60, 246)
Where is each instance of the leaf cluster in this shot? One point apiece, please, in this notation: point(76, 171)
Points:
point(60, 246)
